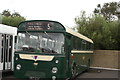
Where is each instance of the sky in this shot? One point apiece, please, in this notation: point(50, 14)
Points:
point(63, 11)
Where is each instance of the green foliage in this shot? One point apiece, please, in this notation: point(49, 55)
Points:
point(6, 13)
point(11, 19)
point(108, 10)
point(102, 32)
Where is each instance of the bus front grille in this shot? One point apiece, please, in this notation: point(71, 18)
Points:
point(35, 74)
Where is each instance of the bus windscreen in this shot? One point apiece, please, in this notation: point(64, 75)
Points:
point(41, 42)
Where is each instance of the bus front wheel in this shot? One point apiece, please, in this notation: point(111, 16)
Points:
point(74, 70)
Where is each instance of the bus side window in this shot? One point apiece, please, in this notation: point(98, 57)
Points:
point(91, 46)
point(69, 46)
point(84, 43)
point(69, 40)
point(76, 42)
point(87, 46)
point(79, 44)
point(0, 47)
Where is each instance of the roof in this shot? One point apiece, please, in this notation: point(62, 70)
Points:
point(68, 30)
point(5, 29)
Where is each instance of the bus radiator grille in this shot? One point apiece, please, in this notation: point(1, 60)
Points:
point(35, 74)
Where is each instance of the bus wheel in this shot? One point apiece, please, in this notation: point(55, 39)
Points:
point(74, 70)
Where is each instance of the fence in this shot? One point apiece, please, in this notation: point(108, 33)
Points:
point(106, 59)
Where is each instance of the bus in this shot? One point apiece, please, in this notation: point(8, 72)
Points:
point(47, 49)
point(7, 39)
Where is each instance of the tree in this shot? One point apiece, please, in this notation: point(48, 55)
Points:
point(11, 19)
point(16, 14)
point(6, 13)
point(108, 10)
point(118, 10)
point(103, 33)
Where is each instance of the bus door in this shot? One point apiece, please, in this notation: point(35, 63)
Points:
point(68, 47)
point(6, 52)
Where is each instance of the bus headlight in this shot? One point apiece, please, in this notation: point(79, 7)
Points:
point(53, 77)
point(18, 67)
point(16, 58)
point(57, 61)
point(54, 70)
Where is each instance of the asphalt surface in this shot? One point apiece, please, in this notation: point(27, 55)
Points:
point(92, 74)
point(99, 74)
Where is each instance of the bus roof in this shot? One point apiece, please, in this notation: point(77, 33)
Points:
point(68, 30)
point(5, 29)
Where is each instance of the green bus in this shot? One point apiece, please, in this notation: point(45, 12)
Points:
point(47, 49)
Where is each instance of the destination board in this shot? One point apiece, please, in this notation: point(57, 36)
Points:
point(40, 25)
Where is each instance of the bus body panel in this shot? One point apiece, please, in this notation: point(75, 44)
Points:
point(41, 69)
point(76, 55)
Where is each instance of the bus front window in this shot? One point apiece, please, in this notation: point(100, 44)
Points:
point(41, 42)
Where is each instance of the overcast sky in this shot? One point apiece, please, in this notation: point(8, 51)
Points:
point(63, 11)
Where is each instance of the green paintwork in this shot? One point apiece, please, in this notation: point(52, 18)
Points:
point(43, 67)
point(65, 65)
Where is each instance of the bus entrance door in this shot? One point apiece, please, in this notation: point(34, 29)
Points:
point(5, 52)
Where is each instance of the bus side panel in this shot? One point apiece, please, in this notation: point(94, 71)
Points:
point(82, 52)
point(82, 61)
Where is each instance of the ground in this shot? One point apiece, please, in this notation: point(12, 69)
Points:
point(99, 74)
point(92, 74)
